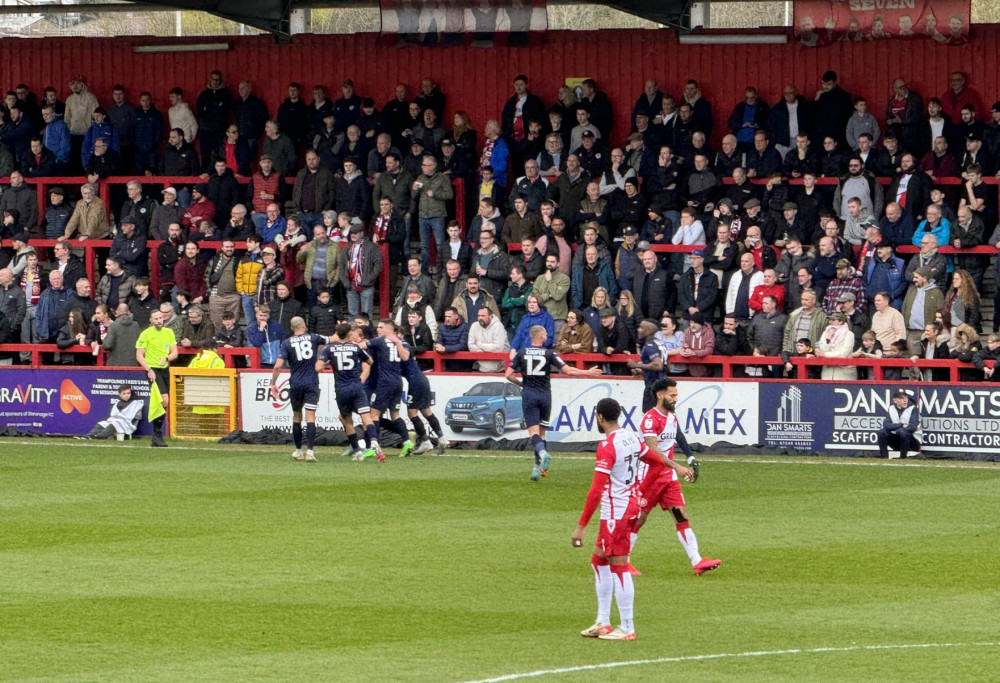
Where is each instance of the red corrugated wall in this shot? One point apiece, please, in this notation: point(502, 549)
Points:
point(478, 80)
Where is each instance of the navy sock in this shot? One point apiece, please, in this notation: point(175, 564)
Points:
point(352, 439)
point(400, 428)
point(435, 425)
point(418, 427)
point(539, 446)
point(371, 434)
point(310, 435)
point(297, 434)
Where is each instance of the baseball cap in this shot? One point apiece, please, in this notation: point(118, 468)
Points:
point(21, 237)
point(127, 219)
point(630, 230)
point(846, 296)
point(900, 393)
point(843, 263)
point(587, 134)
point(698, 317)
point(447, 142)
point(974, 135)
point(700, 253)
point(170, 190)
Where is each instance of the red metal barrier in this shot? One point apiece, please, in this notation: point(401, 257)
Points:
point(727, 363)
point(36, 350)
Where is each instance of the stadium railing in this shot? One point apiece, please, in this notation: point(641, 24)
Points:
point(42, 186)
point(727, 364)
point(100, 360)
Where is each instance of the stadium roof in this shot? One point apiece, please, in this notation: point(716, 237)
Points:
point(274, 15)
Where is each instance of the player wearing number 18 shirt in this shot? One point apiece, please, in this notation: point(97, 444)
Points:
point(614, 488)
point(659, 482)
point(536, 364)
point(349, 362)
point(299, 352)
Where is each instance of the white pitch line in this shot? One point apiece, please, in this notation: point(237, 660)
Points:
point(748, 460)
point(727, 655)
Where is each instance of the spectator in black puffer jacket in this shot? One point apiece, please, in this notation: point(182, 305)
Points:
point(56, 215)
point(324, 314)
point(284, 307)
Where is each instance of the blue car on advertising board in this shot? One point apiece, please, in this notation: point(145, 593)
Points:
point(490, 406)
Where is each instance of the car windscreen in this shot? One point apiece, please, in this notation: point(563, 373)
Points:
point(487, 389)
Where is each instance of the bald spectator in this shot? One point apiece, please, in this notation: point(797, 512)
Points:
point(930, 258)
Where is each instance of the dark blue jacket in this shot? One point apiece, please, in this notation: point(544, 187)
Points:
point(899, 233)
point(522, 337)
point(454, 338)
point(886, 276)
point(148, 129)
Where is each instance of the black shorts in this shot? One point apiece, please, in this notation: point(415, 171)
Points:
point(537, 407)
point(161, 378)
point(387, 396)
point(303, 397)
point(418, 397)
point(352, 400)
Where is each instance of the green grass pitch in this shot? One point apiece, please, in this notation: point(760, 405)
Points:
point(213, 563)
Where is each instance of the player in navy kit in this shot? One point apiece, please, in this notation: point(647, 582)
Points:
point(299, 351)
point(535, 364)
point(349, 362)
point(418, 402)
point(388, 352)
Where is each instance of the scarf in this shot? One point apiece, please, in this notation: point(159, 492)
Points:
point(484, 160)
point(839, 332)
point(381, 228)
point(356, 266)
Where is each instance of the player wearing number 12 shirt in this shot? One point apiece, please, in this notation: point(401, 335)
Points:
point(614, 488)
point(299, 352)
point(536, 364)
point(659, 482)
point(350, 362)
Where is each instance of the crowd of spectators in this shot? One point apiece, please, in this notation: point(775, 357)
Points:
point(564, 214)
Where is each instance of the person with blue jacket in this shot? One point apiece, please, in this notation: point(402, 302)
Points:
point(934, 224)
point(885, 273)
point(55, 138)
point(536, 315)
point(594, 273)
point(100, 128)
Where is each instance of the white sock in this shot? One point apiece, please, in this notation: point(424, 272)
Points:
point(625, 597)
point(690, 543)
point(632, 539)
point(604, 583)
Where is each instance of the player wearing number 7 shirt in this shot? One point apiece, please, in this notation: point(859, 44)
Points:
point(618, 459)
point(300, 351)
point(535, 364)
point(659, 483)
point(350, 362)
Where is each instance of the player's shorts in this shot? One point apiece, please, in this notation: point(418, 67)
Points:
point(615, 535)
point(303, 397)
point(418, 397)
point(162, 379)
point(537, 407)
point(352, 401)
point(662, 490)
point(386, 397)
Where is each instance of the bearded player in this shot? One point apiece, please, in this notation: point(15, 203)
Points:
point(659, 483)
point(614, 488)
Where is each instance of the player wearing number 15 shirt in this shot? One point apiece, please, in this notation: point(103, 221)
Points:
point(349, 361)
point(536, 364)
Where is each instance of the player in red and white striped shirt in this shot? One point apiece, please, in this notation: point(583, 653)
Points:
point(614, 488)
point(659, 484)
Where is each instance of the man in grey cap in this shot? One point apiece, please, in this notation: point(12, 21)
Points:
point(847, 280)
point(901, 427)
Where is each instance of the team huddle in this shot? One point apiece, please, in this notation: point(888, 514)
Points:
point(369, 383)
point(633, 475)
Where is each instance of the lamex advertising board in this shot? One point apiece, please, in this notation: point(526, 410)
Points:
point(847, 417)
point(472, 407)
point(65, 402)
